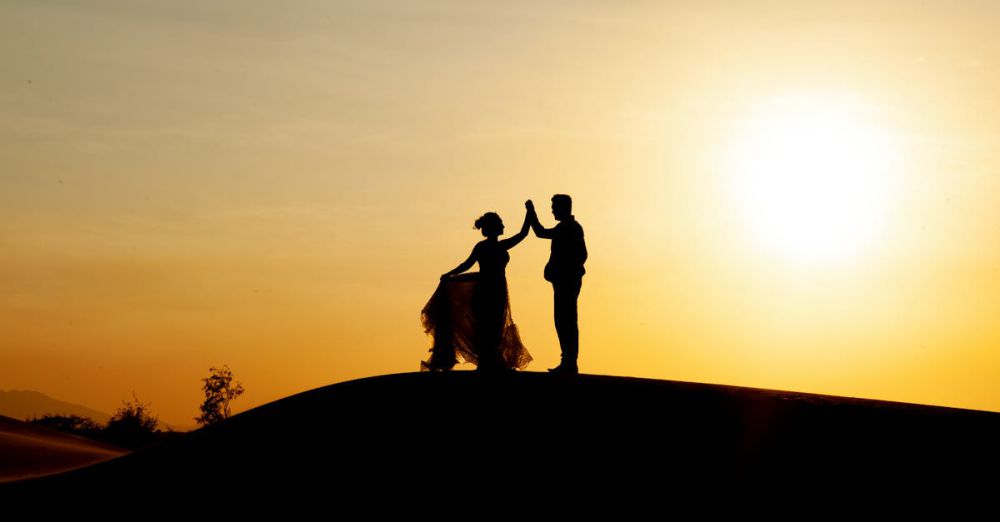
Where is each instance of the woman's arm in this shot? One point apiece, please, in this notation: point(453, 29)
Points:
point(512, 241)
point(467, 264)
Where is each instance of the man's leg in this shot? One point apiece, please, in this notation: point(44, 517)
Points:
point(565, 294)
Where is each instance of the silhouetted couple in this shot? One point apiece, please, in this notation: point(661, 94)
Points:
point(469, 313)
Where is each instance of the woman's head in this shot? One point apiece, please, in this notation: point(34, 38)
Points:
point(490, 224)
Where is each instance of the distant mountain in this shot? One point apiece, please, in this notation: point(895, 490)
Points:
point(25, 404)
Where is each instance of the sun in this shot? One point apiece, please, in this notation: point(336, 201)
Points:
point(813, 178)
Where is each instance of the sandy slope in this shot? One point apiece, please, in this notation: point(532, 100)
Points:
point(27, 450)
point(399, 439)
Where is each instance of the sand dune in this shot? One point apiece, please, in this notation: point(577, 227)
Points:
point(444, 438)
point(28, 450)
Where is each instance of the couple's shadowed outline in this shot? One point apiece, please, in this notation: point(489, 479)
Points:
point(469, 314)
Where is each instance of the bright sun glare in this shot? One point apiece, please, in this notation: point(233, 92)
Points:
point(813, 178)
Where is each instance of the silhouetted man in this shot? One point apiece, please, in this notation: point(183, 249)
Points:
point(565, 271)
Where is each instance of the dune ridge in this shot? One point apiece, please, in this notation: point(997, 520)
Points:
point(599, 438)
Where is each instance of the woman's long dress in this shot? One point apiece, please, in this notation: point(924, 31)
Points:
point(469, 318)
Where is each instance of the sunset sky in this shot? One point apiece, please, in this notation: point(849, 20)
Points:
point(779, 194)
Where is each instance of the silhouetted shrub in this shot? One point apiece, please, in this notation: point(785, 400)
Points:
point(132, 426)
point(219, 392)
point(75, 424)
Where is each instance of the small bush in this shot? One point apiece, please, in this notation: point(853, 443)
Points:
point(132, 426)
point(75, 424)
point(219, 392)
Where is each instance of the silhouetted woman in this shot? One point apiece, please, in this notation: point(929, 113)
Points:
point(469, 314)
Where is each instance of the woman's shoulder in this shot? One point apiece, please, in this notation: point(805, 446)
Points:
point(489, 250)
point(483, 249)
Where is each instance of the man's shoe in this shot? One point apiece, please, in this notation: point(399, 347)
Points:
point(563, 369)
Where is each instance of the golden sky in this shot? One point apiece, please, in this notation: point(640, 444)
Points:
point(278, 186)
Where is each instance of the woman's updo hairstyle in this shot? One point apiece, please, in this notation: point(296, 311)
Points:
point(489, 222)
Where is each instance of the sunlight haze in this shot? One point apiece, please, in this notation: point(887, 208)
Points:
point(791, 195)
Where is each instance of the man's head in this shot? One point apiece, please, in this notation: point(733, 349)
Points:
point(562, 206)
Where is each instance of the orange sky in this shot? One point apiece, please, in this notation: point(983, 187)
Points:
point(277, 188)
